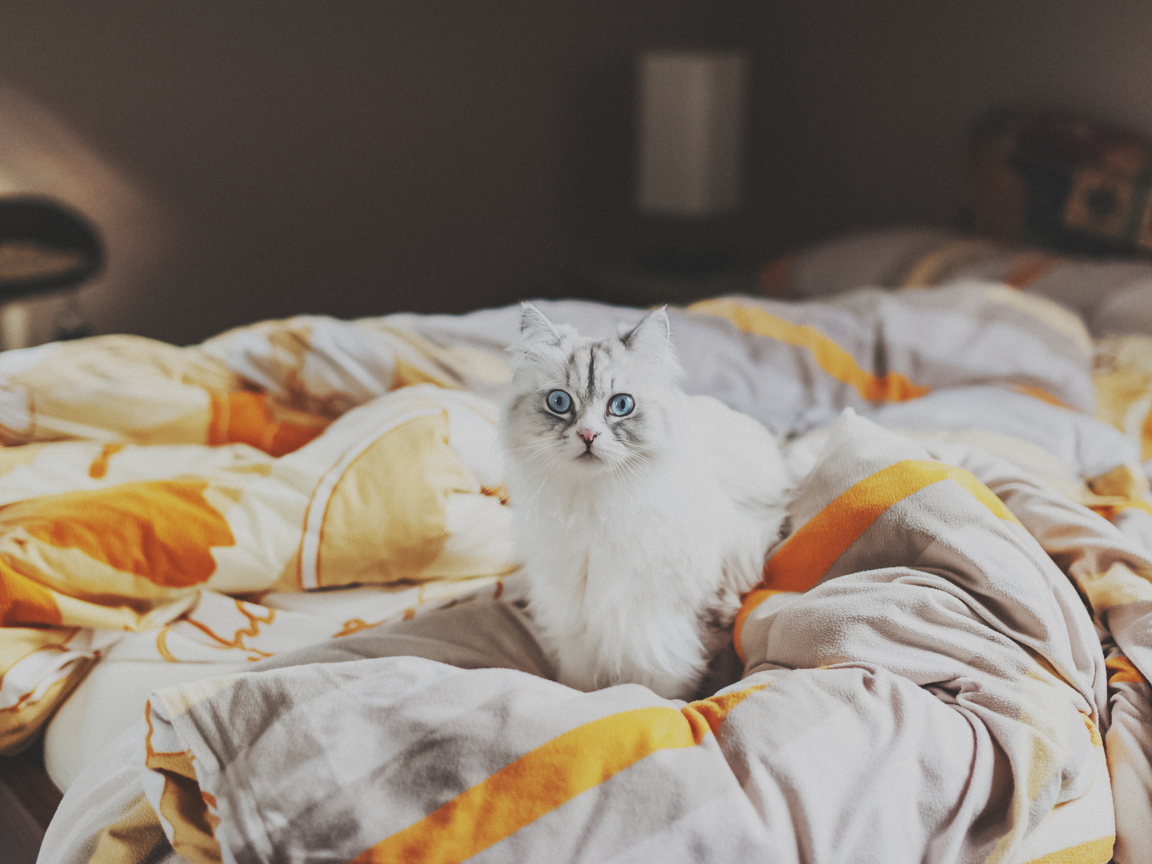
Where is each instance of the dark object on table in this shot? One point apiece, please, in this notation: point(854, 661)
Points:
point(44, 246)
point(1061, 181)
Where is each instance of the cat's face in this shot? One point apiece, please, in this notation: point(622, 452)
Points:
point(590, 405)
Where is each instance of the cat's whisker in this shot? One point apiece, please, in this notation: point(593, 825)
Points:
point(543, 482)
point(637, 461)
point(629, 474)
point(618, 473)
point(627, 469)
point(546, 445)
point(537, 450)
point(536, 457)
point(537, 453)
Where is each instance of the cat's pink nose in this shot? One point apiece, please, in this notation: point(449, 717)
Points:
point(588, 436)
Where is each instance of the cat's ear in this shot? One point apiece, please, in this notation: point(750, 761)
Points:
point(535, 328)
point(651, 341)
point(652, 334)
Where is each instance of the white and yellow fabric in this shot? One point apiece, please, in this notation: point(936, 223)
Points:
point(296, 486)
point(922, 682)
point(148, 543)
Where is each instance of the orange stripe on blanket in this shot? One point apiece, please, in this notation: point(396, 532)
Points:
point(547, 777)
point(162, 530)
point(1111, 511)
point(808, 554)
point(1146, 438)
point(24, 601)
point(834, 360)
point(1122, 671)
point(1096, 851)
point(246, 418)
point(1043, 395)
point(714, 709)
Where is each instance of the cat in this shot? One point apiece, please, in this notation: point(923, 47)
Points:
point(641, 513)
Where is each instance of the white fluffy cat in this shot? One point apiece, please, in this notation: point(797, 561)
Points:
point(641, 513)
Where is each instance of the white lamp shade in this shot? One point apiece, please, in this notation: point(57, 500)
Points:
point(690, 135)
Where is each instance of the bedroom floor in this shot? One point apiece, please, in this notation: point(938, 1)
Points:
point(27, 801)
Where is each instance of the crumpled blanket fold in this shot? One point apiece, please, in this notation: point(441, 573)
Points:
point(948, 660)
point(923, 682)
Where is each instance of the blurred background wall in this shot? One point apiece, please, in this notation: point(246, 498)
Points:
point(358, 158)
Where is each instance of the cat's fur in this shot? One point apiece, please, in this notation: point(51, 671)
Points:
point(637, 533)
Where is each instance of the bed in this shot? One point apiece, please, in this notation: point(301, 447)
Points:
point(259, 598)
point(274, 572)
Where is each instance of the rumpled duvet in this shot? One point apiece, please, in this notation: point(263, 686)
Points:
point(947, 660)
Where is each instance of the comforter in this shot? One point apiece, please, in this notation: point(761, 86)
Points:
point(947, 660)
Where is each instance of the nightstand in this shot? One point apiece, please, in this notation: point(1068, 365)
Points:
point(673, 279)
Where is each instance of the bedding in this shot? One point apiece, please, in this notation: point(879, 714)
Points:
point(1111, 294)
point(300, 527)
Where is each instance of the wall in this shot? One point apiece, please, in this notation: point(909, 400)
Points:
point(356, 158)
point(350, 158)
point(861, 108)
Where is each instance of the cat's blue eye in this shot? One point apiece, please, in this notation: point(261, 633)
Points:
point(559, 402)
point(621, 405)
